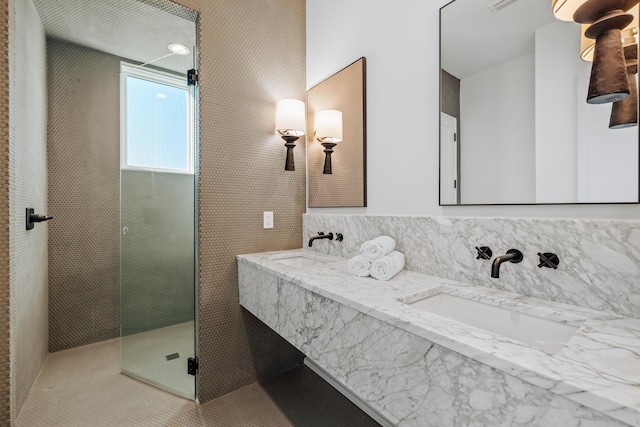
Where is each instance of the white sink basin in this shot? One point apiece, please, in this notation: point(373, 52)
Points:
point(538, 332)
point(299, 259)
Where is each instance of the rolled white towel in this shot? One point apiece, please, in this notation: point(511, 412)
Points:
point(387, 266)
point(377, 248)
point(358, 266)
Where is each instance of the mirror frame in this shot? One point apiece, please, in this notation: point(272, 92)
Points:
point(332, 189)
point(440, 70)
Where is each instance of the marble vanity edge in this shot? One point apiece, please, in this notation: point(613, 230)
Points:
point(592, 398)
point(416, 387)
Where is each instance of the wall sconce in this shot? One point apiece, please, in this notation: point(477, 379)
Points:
point(607, 18)
point(329, 133)
point(290, 124)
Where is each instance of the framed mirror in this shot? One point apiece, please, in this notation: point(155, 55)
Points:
point(336, 139)
point(515, 124)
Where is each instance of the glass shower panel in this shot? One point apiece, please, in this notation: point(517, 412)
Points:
point(157, 242)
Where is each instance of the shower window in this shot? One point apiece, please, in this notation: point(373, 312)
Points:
point(156, 121)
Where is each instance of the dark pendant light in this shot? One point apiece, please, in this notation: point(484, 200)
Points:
point(624, 113)
point(609, 80)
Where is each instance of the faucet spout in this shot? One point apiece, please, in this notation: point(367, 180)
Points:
point(512, 255)
point(320, 236)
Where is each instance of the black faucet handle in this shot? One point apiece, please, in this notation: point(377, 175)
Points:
point(484, 252)
point(549, 260)
point(339, 237)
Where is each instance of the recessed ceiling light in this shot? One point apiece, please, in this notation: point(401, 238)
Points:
point(161, 95)
point(179, 49)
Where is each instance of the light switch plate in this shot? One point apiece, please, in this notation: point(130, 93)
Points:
point(268, 220)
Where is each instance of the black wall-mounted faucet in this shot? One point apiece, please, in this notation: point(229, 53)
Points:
point(512, 255)
point(320, 235)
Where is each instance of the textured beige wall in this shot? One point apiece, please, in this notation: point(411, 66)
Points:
point(251, 55)
point(27, 188)
point(157, 253)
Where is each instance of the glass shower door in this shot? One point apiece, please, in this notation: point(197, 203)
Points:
point(157, 242)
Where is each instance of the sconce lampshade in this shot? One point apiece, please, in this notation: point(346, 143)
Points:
point(329, 126)
point(564, 9)
point(290, 117)
point(587, 45)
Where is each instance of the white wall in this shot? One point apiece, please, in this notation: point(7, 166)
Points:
point(607, 158)
point(27, 188)
point(498, 163)
point(400, 40)
point(556, 111)
point(402, 83)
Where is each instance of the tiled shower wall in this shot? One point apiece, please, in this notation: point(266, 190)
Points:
point(84, 195)
point(251, 55)
point(27, 188)
point(599, 259)
point(157, 279)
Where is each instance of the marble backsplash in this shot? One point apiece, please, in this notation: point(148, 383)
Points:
point(599, 259)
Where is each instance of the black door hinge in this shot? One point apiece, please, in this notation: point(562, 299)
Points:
point(455, 137)
point(192, 366)
point(192, 77)
point(455, 183)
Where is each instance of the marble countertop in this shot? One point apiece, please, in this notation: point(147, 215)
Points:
point(599, 367)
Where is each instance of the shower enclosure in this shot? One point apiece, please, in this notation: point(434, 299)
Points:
point(157, 252)
point(157, 200)
point(122, 102)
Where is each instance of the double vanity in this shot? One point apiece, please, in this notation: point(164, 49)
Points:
point(425, 351)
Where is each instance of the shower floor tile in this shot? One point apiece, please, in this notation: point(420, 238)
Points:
point(84, 387)
point(144, 356)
